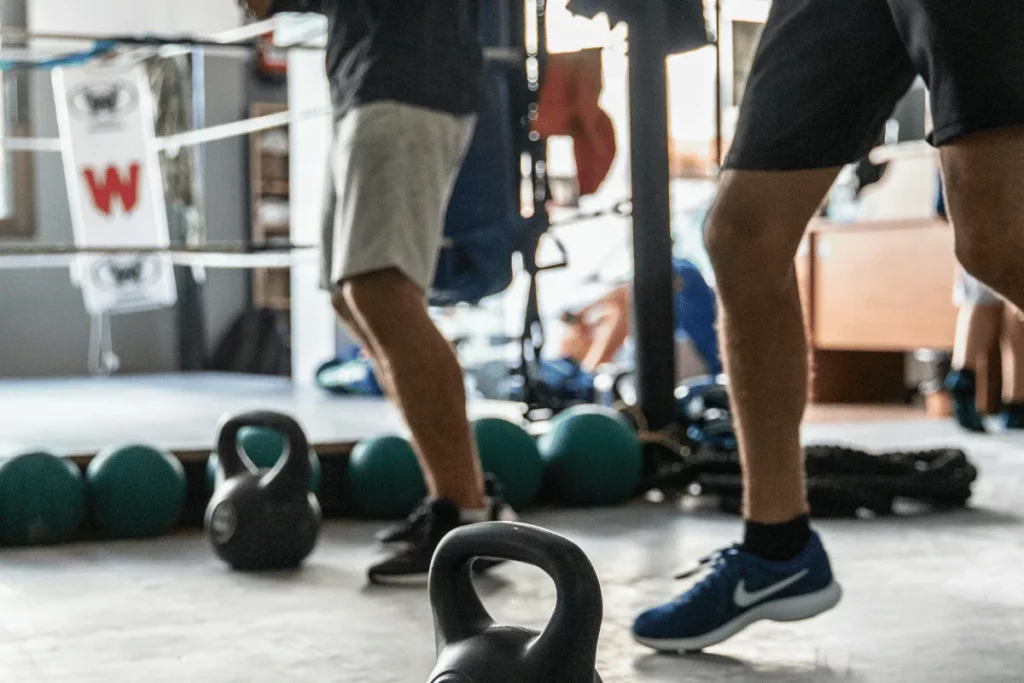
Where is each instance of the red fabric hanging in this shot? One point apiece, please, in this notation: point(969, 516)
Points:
point(568, 105)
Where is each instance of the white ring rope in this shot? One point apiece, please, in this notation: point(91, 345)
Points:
point(209, 133)
point(166, 45)
point(222, 260)
point(227, 37)
point(226, 259)
point(188, 138)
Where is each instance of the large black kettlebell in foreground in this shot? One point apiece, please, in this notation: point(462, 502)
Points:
point(263, 520)
point(471, 648)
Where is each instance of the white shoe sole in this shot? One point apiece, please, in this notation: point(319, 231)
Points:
point(786, 609)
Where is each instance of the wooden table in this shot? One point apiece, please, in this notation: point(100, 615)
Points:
point(872, 292)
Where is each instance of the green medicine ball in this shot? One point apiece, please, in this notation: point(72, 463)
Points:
point(592, 457)
point(42, 499)
point(264, 447)
point(509, 453)
point(384, 478)
point(135, 491)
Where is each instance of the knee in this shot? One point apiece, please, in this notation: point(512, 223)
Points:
point(748, 252)
point(380, 294)
point(388, 305)
point(988, 252)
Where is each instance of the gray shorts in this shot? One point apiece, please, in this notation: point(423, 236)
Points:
point(970, 291)
point(392, 170)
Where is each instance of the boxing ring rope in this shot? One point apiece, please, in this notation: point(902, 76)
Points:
point(198, 136)
point(43, 259)
point(231, 39)
point(235, 42)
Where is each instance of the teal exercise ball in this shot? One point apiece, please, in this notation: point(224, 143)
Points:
point(509, 453)
point(42, 499)
point(384, 478)
point(264, 447)
point(135, 491)
point(588, 408)
point(592, 457)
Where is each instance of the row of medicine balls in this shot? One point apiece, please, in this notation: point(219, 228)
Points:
point(589, 456)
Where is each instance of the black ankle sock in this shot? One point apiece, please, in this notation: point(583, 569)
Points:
point(777, 542)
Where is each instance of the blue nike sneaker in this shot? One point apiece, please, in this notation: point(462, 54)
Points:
point(739, 590)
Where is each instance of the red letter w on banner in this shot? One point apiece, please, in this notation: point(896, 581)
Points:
point(114, 185)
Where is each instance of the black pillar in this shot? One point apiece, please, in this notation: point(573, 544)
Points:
point(652, 239)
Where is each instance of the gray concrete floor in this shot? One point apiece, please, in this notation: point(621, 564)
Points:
point(930, 599)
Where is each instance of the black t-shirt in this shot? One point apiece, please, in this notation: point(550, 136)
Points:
point(419, 52)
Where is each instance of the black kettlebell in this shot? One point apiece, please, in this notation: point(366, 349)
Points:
point(263, 520)
point(471, 648)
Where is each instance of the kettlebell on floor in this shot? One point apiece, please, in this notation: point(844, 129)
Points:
point(471, 648)
point(263, 520)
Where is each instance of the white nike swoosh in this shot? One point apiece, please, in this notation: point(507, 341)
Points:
point(744, 599)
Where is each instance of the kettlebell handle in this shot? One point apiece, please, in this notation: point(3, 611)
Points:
point(291, 473)
point(570, 638)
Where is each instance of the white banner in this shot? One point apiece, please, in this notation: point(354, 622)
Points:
point(115, 188)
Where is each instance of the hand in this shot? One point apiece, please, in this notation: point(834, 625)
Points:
point(258, 8)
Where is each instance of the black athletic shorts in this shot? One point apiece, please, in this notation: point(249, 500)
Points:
point(828, 73)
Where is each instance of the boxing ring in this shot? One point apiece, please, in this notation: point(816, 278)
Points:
point(77, 417)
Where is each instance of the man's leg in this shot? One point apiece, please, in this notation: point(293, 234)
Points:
point(982, 174)
point(576, 341)
point(1013, 355)
point(752, 239)
point(804, 115)
point(393, 170)
point(977, 332)
point(1012, 414)
point(419, 370)
point(610, 333)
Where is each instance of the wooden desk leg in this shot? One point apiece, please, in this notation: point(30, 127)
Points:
point(857, 377)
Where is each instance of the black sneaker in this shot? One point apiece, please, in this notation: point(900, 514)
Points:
point(407, 531)
point(411, 565)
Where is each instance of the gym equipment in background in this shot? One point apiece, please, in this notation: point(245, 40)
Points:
point(510, 454)
point(703, 408)
point(263, 520)
point(842, 481)
point(471, 648)
point(42, 499)
point(349, 377)
point(134, 491)
point(560, 382)
point(593, 457)
point(487, 224)
point(263, 448)
point(384, 478)
point(703, 415)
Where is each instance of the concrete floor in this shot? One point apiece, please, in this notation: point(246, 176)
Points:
point(929, 599)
